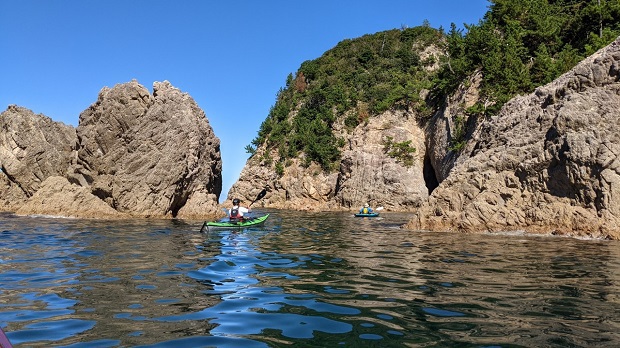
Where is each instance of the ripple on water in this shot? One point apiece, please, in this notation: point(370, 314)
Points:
point(50, 330)
point(316, 280)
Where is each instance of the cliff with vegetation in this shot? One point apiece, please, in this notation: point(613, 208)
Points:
point(348, 129)
point(388, 118)
point(548, 162)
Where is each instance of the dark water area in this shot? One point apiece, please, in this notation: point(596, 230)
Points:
point(302, 280)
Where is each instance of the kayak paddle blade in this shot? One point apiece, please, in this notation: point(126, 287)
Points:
point(260, 195)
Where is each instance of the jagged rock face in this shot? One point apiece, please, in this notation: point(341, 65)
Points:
point(11, 195)
point(366, 172)
point(547, 162)
point(300, 188)
point(32, 148)
point(149, 155)
point(133, 154)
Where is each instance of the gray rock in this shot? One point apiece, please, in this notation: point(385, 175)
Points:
point(441, 129)
point(547, 163)
point(149, 155)
point(366, 172)
point(11, 195)
point(58, 197)
point(32, 148)
point(140, 155)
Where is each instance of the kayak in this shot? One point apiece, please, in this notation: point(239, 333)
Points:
point(367, 215)
point(237, 224)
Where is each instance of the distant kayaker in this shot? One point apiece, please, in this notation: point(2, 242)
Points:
point(366, 209)
point(237, 211)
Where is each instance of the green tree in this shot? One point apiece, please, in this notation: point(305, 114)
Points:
point(543, 68)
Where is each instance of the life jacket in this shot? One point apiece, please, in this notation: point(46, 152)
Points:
point(365, 210)
point(235, 214)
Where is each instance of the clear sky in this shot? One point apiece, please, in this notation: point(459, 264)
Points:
point(231, 56)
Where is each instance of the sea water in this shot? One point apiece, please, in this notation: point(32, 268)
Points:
point(304, 280)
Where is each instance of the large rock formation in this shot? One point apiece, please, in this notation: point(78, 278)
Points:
point(367, 171)
point(442, 127)
point(139, 154)
point(149, 154)
point(300, 187)
point(547, 163)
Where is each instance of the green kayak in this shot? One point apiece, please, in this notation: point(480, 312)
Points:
point(236, 224)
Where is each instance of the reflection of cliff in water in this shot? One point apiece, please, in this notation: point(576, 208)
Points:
point(329, 276)
point(349, 253)
point(510, 287)
point(497, 285)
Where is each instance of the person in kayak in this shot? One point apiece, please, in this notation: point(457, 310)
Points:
point(236, 212)
point(366, 209)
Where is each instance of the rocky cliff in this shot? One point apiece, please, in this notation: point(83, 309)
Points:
point(132, 154)
point(547, 163)
point(330, 142)
point(367, 172)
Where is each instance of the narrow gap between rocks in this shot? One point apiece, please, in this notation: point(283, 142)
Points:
point(429, 175)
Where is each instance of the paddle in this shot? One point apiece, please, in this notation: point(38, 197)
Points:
point(260, 195)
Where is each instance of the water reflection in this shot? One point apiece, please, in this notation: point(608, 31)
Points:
point(251, 302)
point(312, 280)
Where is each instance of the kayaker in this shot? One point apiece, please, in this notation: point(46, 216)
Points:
point(237, 211)
point(366, 209)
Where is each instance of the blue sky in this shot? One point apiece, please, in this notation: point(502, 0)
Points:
point(232, 57)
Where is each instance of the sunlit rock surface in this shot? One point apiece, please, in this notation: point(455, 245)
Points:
point(547, 163)
point(141, 154)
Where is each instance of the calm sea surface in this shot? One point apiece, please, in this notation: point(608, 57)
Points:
point(302, 280)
